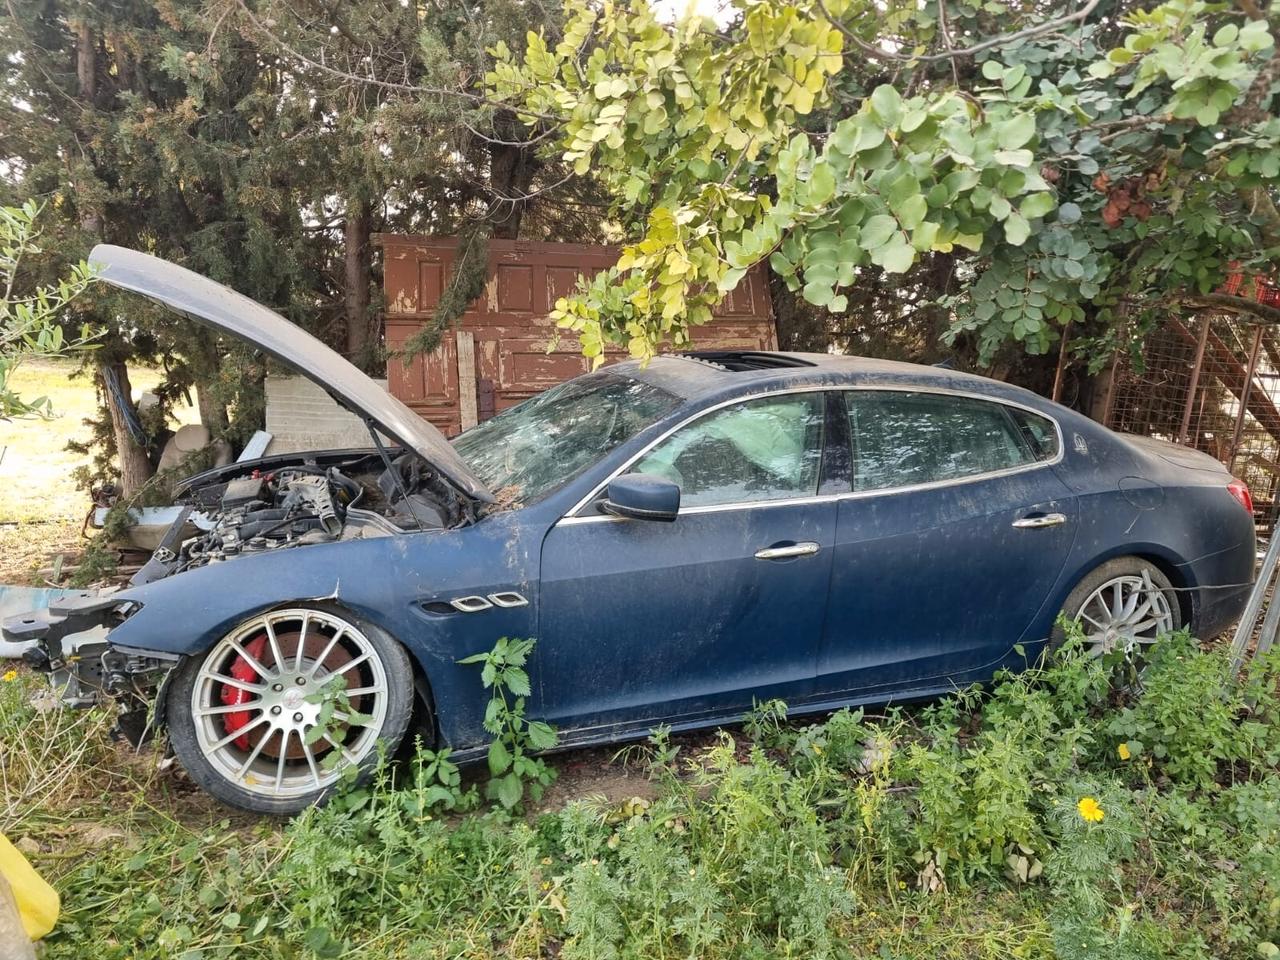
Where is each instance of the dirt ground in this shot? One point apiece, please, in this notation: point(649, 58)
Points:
point(41, 508)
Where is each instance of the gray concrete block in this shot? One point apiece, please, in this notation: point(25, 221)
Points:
point(301, 416)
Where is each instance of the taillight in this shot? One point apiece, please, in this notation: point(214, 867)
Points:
point(1239, 490)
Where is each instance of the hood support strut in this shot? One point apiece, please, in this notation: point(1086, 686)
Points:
point(391, 468)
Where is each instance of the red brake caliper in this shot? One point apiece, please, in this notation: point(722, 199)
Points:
point(231, 696)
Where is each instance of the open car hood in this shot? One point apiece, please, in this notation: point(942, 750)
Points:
point(225, 310)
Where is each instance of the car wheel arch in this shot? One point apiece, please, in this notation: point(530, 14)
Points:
point(1159, 556)
point(424, 697)
point(423, 687)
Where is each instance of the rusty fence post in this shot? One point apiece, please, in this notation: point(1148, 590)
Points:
point(1245, 390)
point(1194, 384)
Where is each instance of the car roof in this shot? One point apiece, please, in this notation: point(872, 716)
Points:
point(723, 374)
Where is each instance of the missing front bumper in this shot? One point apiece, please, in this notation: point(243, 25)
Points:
point(71, 643)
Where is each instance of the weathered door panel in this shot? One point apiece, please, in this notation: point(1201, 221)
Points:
point(413, 281)
point(938, 583)
point(509, 324)
point(645, 620)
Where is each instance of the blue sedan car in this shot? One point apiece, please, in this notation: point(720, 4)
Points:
point(682, 538)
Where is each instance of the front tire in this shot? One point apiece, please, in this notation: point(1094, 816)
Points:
point(241, 715)
point(1125, 604)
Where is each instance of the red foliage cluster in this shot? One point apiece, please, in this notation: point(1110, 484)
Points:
point(1127, 197)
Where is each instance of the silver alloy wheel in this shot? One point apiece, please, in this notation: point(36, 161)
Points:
point(291, 654)
point(1126, 613)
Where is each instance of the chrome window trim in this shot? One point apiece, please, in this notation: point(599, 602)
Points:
point(572, 517)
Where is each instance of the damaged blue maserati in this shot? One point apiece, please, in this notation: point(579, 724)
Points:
point(682, 538)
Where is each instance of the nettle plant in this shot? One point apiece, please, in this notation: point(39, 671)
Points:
point(512, 768)
point(1073, 172)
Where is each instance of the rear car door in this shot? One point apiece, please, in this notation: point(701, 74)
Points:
point(950, 543)
point(650, 621)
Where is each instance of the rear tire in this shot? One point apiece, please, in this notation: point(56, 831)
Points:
point(1124, 604)
point(240, 712)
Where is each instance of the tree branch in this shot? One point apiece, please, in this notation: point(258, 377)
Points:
point(880, 54)
point(297, 55)
point(1221, 301)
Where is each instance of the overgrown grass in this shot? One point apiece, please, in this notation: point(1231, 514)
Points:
point(957, 830)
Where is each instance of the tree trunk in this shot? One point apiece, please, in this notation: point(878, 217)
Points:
point(511, 172)
point(211, 401)
point(358, 272)
point(213, 413)
point(87, 81)
point(135, 465)
point(86, 66)
point(799, 325)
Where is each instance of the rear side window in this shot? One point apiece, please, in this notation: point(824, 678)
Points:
point(902, 438)
point(1038, 431)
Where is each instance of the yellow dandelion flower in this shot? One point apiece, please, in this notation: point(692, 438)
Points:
point(1089, 810)
point(1123, 750)
point(10, 676)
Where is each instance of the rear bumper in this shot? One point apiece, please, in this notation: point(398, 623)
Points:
point(1218, 610)
point(1220, 584)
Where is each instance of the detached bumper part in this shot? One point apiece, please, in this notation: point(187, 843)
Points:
point(72, 645)
point(62, 618)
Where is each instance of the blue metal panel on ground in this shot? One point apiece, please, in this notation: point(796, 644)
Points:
point(18, 600)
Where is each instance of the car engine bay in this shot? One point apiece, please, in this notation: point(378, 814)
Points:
point(274, 503)
point(310, 499)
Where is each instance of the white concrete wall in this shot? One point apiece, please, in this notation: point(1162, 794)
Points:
point(301, 416)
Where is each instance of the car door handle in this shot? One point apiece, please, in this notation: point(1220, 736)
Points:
point(806, 549)
point(1044, 520)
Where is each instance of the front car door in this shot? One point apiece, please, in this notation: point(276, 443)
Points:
point(950, 543)
point(646, 621)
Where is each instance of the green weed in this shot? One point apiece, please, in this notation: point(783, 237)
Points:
point(1002, 822)
point(513, 768)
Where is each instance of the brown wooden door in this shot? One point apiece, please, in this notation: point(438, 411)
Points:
point(498, 355)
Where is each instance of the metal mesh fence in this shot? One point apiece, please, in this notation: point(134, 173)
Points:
point(1212, 383)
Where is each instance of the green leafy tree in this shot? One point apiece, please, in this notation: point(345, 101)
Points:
point(30, 326)
point(1084, 171)
point(264, 145)
point(130, 138)
point(424, 149)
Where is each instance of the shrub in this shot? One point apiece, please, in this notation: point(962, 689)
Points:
point(1187, 718)
point(958, 830)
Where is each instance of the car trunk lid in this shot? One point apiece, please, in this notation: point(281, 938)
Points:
point(1177, 454)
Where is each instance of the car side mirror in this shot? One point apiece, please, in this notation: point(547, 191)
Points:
point(642, 496)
